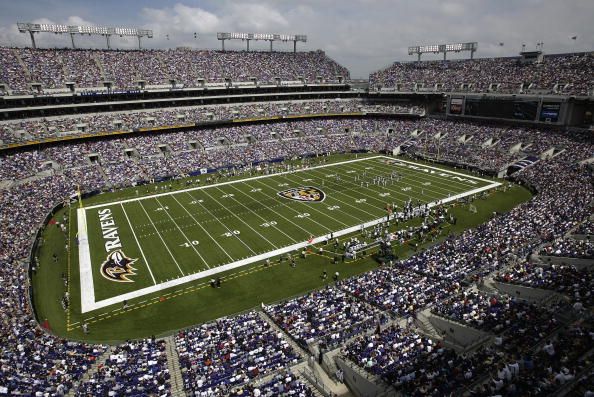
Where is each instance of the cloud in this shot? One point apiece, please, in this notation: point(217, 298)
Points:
point(181, 18)
point(254, 17)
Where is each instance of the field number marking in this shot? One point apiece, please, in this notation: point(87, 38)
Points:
point(189, 244)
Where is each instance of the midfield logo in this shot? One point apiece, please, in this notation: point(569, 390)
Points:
point(303, 193)
point(117, 267)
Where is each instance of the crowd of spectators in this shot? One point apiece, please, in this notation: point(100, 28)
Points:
point(399, 292)
point(418, 366)
point(497, 313)
point(586, 228)
point(53, 68)
point(57, 126)
point(285, 383)
point(576, 284)
point(216, 357)
point(567, 74)
point(569, 248)
point(328, 315)
point(233, 351)
point(132, 369)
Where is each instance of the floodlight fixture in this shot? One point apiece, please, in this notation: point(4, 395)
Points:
point(443, 48)
point(107, 32)
point(261, 36)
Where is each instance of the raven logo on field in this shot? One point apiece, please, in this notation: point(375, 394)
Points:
point(117, 267)
point(303, 193)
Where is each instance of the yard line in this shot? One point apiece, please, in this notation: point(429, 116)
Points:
point(225, 226)
point(395, 190)
point(182, 232)
point(425, 177)
point(202, 227)
point(347, 178)
point(440, 195)
point(231, 182)
point(270, 208)
point(255, 213)
point(352, 206)
point(241, 220)
point(286, 205)
point(161, 237)
point(138, 244)
point(313, 208)
point(435, 179)
point(441, 170)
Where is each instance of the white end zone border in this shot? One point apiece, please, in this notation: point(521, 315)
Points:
point(87, 290)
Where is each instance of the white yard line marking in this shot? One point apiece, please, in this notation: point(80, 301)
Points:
point(255, 213)
point(352, 206)
point(257, 258)
point(231, 182)
point(161, 237)
point(312, 208)
point(415, 183)
point(138, 244)
point(241, 220)
point(287, 206)
point(276, 205)
point(88, 302)
point(224, 225)
point(202, 227)
point(439, 170)
point(182, 232)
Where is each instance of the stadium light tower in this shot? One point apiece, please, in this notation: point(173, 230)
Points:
point(261, 36)
point(443, 48)
point(107, 32)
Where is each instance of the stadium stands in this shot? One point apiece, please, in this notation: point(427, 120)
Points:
point(328, 316)
point(52, 127)
point(576, 284)
point(538, 348)
point(567, 74)
point(89, 69)
point(218, 356)
point(132, 369)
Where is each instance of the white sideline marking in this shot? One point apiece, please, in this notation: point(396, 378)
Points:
point(84, 260)
point(138, 244)
point(88, 302)
point(235, 181)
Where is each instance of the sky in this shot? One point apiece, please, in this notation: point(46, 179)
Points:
point(362, 35)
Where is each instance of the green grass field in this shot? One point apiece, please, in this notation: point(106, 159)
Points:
point(157, 247)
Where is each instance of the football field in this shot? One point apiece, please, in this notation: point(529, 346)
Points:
point(142, 245)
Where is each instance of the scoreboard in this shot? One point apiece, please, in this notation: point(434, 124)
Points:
point(501, 108)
